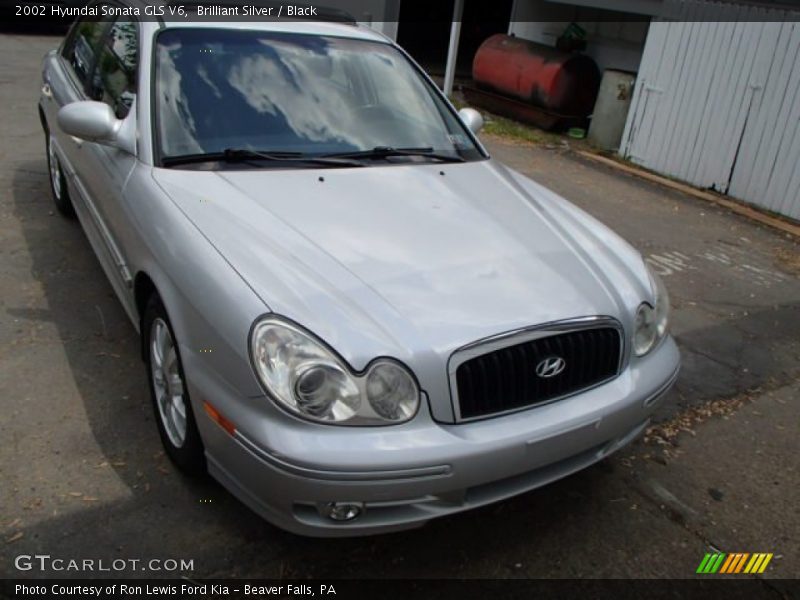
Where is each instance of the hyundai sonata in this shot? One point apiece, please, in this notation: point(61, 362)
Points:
point(350, 314)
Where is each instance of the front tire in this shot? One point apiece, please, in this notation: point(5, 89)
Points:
point(169, 392)
point(58, 184)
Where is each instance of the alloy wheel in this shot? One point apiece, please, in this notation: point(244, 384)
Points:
point(167, 382)
point(55, 169)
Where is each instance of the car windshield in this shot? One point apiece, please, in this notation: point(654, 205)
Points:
point(309, 95)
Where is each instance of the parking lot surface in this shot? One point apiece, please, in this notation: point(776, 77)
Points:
point(82, 473)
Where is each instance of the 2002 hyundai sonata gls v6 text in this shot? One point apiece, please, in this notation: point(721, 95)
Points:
point(350, 315)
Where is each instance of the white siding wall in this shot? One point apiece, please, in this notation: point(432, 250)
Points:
point(717, 104)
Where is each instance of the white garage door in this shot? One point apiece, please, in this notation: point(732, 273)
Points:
point(717, 104)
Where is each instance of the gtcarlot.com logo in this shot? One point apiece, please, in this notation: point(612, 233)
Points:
point(46, 562)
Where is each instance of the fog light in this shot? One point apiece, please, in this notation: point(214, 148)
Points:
point(343, 511)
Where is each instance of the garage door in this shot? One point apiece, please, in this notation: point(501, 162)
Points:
point(717, 104)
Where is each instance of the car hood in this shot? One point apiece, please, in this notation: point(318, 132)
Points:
point(411, 261)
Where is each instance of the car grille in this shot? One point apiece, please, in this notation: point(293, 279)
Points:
point(505, 379)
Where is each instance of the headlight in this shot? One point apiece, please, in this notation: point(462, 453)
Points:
point(392, 392)
point(307, 378)
point(652, 322)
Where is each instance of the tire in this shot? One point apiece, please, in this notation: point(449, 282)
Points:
point(169, 392)
point(58, 184)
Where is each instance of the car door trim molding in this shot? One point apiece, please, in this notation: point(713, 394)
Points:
point(105, 234)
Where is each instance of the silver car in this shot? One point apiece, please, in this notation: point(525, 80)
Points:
point(350, 315)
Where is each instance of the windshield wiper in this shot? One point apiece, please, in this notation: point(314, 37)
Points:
point(232, 155)
point(387, 151)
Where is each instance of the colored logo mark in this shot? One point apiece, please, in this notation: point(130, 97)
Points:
point(736, 562)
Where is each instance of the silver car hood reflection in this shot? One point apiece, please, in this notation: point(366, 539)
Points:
point(410, 261)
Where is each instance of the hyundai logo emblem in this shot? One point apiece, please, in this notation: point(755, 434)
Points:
point(550, 367)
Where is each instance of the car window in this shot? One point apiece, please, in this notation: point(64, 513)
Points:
point(395, 96)
point(114, 78)
point(275, 91)
point(81, 47)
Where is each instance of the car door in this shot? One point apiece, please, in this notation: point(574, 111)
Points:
point(114, 82)
point(93, 177)
point(98, 61)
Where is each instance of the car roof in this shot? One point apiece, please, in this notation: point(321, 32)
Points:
point(336, 28)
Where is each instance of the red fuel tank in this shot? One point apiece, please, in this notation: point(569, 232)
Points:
point(557, 81)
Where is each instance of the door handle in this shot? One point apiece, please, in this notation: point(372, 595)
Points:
point(78, 141)
point(47, 91)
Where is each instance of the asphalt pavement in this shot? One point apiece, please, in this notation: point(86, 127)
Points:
point(82, 473)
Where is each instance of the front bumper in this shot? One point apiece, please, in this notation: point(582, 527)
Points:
point(285, 469)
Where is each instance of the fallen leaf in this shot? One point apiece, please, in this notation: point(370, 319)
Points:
point(35, 503)
point(15, 537)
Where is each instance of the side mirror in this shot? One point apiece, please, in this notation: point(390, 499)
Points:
point(96, 122)
point(90, 121)
point(472, 119)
